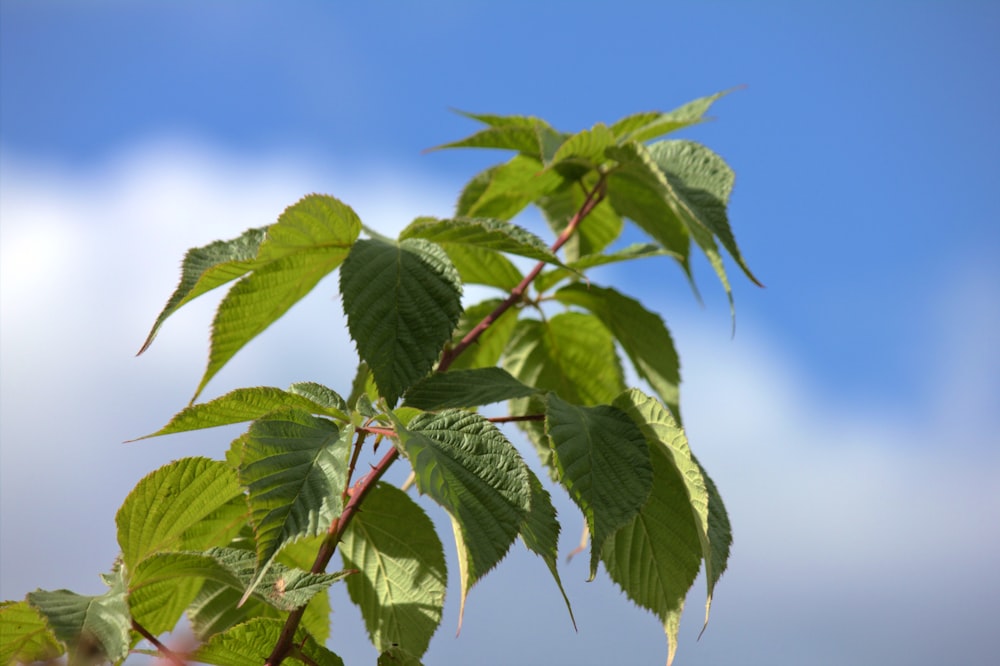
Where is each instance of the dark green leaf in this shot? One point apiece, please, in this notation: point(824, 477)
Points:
point(603, 461)
point(94, 628)
point(294, 466)
point(642, 127)
point(540, 533)
point(208, 267)
point(466, 388)
point(26, 637)
point(641, 333)
point(189, 504)
point(402, 303)
point(253, 641)
point(402, 581)
point(468, 467)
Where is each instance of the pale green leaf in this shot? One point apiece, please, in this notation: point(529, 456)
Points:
point(646, 126)
point(548, 279)
point(487, 233)
point(582, 152)
point(503, 191)
point(253, 641)
point(525, 134)
point(94, 628)
point(641, 333)
point(402, 303)
point(603, 461)
point(468, 467)
point(247, 404)
point(208, 267)
point(309, 240)
point(486, 351)
point(189, 504)
point(294, 466)
point(466, 388)
point(402, 576)
point(702, 182)
point(396, 656)
point(25, 637)
point(540, 533)
point(600, 228)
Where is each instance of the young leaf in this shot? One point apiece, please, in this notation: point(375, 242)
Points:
point(582, 152)
point(402, 303)
point(247, 404)
point(485, 353)
point(310, 239)
point(503, 191)
point(641, 333)
point(550, 278)
point(25, 636)
point(603, 461)
point(643, 127)
point(525, 134)
point(465, 388)
point(208, 267)
point(402, 577)
point(189, 504)
point(702, 182)
point(468, 467)
point(94, 628)
point(294, 467)
point(487, 233)
point(601, 227)
point(540, 533)
point(397, 656)
point(253, 641)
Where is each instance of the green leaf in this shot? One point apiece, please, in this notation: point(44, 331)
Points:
point(402, 303)
point(25, 637)
point(94, 628)
point(548, 279)
point(189, 504)
point(646, 126)
point(486, 351)
point(540, 533)
point(247, 404)
point(402, 581)
point(702, 182)
point(253, 641)
point(582, 152)
point(208, 267)
point(525, 134)
point(396, 656)
point(466, 388)
point(486, 233)
point(601, 227)
point(294, 467)
point(720, 537)
point(468, 467)
point(310, 239)
point(503, 191)
point(641, 333)
point(603, 461)
point(572, 354)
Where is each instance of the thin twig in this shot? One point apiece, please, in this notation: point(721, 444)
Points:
point(509, 419)
point(166, 652)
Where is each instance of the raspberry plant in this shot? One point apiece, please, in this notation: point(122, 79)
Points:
point(242, 546)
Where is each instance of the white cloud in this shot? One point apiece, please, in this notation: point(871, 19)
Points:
point(862, 535)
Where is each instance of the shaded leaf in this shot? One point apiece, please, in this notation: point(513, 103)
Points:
point(402, 303)
point(550, 278)
point(208, 267)
point(600, 228)
point(486, 351)
point(540, 533)
point(582, 152)
point(603, 461)
point(486, 233)
point(26, 637)
point(402, 581)
point(294, 466)
point(466, 388)
point(253, 641)
point(646, 126)
point(94, 628)
point(641, 333)
point(397, 656)
point(468, 467)
point(189, 504)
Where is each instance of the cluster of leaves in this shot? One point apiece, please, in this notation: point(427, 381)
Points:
point(241, 545)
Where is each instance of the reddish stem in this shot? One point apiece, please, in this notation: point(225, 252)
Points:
point(160, 647)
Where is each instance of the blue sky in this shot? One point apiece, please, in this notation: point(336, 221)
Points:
point(850, 423)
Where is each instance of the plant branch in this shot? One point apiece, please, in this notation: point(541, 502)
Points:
point(523, 417)
point(167, 653)
point(594, 197)
point(326, 550)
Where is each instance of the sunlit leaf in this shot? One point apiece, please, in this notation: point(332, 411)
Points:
point(402, 303)
point(25, 635)
point(540, 533)
point(646, 126)
point(253, 641)
point(525, 134)
point(603, 461)
point(598, 230)
point(466, 388)
point(486, 351)
point(503, 191)
point(402, 581)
